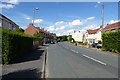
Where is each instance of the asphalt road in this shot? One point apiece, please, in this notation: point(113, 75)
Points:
point(68, 61)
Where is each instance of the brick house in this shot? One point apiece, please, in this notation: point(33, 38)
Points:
point(31, 30)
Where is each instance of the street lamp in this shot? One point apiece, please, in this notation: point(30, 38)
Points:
point(34, 9)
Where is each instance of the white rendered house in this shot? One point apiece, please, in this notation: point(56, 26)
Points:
point(93, 36)
point(77, 36)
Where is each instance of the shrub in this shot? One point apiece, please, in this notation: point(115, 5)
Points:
point(14, 45)
point(111, 41)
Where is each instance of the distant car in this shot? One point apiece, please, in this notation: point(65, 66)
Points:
point(99, 45)
point(52, 42)
point(94, 44)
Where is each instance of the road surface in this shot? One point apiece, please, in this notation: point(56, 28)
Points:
point(65, 60)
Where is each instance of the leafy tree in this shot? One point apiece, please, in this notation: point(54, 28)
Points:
point(70, 38)
point(20, 30)
point(38, 36)
point(64, 38)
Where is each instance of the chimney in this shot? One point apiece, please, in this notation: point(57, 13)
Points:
point(31, 24)
point(43, 28)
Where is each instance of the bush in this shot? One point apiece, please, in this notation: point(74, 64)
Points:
point(14, 45)
point(84, 43)
point(111, 41)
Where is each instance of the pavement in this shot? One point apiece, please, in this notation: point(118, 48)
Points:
point(65, 60)
point(29, 67)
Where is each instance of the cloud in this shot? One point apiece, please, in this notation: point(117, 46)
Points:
point(83, 31)
point(98, 2)
point(70, 31)
point(38, 21)
point(69, 24)
point(77, 23)
point(58, 34)
point(92, 26)
point(113, 21)
point(66, 27)
point(7, 6)
point(13, 2)
point(65, 32)
point(90, 18)
point(51, 28)
point(25, 16)
point(62, 28)
point(28, 18)
point(60, 23)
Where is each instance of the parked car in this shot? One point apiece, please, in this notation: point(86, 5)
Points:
point(52, 42)
point(94, 44)
point(99, 45)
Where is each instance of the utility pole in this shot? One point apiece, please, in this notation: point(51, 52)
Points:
point(102, 16)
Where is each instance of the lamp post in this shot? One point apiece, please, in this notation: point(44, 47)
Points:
point(34, 9)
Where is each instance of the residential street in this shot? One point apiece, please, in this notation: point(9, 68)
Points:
point(68, 61)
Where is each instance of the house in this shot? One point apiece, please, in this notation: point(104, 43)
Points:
point(77, 36)
point(112, 27)
point(84, 38)
point(31, 30)
point(7, 23)
point(94, 36)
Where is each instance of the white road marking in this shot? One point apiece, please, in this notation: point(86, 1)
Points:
point(66, 48)
point(94, 59)
point(73, 50)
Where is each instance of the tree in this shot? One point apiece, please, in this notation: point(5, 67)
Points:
point(20, 30)
point(64, 38)
point(70, 38)
point(38, 36)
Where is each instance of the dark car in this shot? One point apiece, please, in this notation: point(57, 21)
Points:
point(94, 44)
point(52, 42)
point(99, 45)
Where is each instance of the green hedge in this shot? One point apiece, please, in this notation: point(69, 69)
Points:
point(14, 45)
point(111, 41)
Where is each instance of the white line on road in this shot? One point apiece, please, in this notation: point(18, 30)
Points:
point(94, 59)
point(66, 48)
point(73, 50)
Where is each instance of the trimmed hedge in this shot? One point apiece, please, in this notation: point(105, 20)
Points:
point(14, 45)
point(111, 41)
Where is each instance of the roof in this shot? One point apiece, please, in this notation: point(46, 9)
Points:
point(40, 30)
point(93, 31)
point(7, 19)
point(112, 26)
